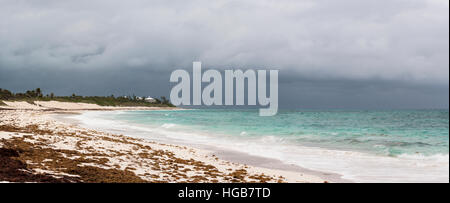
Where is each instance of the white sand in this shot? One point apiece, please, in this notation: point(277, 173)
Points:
point(21, 105)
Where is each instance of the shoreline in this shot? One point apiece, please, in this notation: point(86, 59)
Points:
point(228, 154)
point(77, 154)
point(329, 164)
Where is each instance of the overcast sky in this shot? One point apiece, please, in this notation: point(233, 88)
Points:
point(331, 54)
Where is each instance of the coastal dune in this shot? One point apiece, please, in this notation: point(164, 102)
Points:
point(57, 105)
point(20, 105)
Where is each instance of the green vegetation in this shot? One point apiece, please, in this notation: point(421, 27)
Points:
point(36, 95)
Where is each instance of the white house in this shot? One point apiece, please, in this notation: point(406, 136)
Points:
point(149, 99)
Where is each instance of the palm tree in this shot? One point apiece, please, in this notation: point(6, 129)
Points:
point(164, 100)
point(38, 92)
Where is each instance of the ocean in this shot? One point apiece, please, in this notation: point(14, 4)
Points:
point(362, 146)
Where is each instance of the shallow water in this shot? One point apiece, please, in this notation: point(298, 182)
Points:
point(363, 146)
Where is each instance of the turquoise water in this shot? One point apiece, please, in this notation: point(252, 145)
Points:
point(388, 133)
point(362, 146)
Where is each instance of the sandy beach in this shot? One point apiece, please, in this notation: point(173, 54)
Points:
point(37, 147)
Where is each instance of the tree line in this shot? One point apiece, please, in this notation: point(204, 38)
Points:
point(38, 95)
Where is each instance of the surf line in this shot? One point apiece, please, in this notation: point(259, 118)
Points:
point(256, 83)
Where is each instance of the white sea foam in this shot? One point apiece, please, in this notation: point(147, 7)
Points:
point(168, 125)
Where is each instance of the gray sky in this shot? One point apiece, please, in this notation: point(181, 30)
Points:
point(331, 54)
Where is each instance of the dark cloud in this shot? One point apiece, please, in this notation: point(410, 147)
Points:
point(351, 53)
point(294, 92)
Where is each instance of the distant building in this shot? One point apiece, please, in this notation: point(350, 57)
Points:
point(149, 99)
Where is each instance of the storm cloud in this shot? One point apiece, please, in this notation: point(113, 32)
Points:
point(337, 54)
